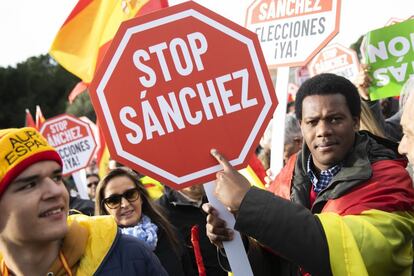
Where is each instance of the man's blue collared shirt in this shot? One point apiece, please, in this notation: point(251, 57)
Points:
point(325, 177)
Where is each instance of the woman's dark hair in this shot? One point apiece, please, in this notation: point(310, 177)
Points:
point(329, 84)
point(149, 208)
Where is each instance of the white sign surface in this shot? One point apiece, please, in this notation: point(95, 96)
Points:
point(291, 32)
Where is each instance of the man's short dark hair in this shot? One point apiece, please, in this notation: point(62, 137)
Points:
point(328, 84)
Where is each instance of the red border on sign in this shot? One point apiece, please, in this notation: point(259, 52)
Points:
point(77, 120)
point(322, 45)
point(269, 105)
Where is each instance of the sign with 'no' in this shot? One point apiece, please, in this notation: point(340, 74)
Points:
point(291, 32)
point(73, 140)
point(175, 84)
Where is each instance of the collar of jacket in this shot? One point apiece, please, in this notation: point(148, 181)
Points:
point(103, 233)
point(356, 169)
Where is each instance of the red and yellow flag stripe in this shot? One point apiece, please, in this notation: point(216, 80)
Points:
point(86, 34)
point(373, 222)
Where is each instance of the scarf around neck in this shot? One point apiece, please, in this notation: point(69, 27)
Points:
point(145, 231)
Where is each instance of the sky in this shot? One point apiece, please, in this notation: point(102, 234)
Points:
point(28, 28)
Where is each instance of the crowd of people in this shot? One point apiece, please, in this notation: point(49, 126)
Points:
point(342, 204)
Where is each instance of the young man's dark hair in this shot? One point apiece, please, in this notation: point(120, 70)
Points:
point(326, 84)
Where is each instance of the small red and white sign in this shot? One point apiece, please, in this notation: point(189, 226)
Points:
point(291, 32)
point(72, 138)
point(301, 74)
point(95, 132)
point(175, 84)
point(335, 59)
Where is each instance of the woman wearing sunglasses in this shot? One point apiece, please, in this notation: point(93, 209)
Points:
point(121, 195)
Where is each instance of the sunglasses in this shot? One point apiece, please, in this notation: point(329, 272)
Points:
point(114, 201)
point(95, 183)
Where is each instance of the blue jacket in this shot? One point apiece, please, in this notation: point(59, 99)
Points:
point(108, 252)
point(129, 256)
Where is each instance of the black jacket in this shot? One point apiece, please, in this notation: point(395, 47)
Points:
point(176, 261)
point(293, 235)
point(81, 206)
point(184, 215)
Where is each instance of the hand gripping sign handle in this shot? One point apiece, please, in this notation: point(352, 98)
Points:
point(235, 251)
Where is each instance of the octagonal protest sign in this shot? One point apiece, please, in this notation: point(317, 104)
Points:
point(176, 83)
point(292, 32)
point(73, 140)
point(335, 59)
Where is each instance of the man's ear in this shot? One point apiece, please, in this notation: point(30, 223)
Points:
point(357, 122)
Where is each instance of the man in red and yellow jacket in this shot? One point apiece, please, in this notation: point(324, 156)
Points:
point(341, 206)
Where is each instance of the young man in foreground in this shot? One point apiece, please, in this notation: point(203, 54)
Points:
point(37, 237)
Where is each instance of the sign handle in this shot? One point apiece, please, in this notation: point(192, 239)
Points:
point(278, 122)
point(236, 254)
point(80, 181)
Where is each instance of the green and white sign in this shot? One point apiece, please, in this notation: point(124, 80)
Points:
point(390, 53)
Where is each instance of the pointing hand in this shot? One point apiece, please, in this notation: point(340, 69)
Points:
point(231, 186)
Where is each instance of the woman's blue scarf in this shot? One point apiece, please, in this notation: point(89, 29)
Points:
point(145, 231)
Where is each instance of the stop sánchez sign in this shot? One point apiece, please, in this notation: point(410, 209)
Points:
point(176, 83)
point(73, 140)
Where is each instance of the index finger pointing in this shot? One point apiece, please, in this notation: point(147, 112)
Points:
point(221, 159)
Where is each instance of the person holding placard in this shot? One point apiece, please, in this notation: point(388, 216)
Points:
point(346, 203)
point(372, 118)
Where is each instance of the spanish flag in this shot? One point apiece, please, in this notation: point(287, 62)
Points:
point(250, 174)
point(79, 88)
point(254, 172)
point(102, 154)
point(155, 188)
point(29, 122)
point(374, 221)
point(86, 34)
point(369, 230)
point(40, 119)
